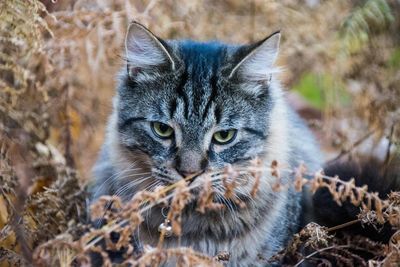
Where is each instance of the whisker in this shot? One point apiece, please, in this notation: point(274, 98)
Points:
point(164, 178)
point(129, 176)
point(130, 185)
point(113, 177)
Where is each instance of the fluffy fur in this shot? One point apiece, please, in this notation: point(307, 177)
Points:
point(198, 89)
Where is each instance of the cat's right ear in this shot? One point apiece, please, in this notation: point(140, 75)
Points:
point(145, 51)
point(257, 64)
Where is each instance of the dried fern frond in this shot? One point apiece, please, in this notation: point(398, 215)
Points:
point(363, 21)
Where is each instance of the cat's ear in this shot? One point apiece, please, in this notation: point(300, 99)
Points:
point(257, 64)
point(145, 51)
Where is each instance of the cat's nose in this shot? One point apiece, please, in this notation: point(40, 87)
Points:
point(190, 163)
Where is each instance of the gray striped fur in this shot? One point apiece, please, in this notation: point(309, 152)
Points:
point(200, 88)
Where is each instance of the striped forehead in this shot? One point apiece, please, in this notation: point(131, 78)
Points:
point(198, 86)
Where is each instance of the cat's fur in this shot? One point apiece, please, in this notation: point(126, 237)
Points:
point(200, 88)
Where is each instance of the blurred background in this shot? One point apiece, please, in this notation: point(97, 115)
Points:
point(58, 60)
point(340, 59)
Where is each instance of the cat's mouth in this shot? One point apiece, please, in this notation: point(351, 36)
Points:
point(168, 177)
point(211, 186)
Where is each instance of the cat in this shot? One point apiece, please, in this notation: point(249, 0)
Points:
point(186, 107)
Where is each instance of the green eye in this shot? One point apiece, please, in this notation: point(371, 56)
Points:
point(224, 137)
point(162, 130)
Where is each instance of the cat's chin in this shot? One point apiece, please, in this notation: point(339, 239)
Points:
point(218, 224)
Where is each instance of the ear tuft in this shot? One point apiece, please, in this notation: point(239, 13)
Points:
point(144, 50)
point(258, 64)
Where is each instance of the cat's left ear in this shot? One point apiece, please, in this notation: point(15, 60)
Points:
point(258, 61)
point(145, 51)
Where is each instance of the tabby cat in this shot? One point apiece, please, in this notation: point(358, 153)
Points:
point(186, 107)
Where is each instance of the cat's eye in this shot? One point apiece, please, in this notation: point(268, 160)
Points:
point(224, 137)
point(162, 130)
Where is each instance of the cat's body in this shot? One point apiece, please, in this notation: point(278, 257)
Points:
point(201, 91)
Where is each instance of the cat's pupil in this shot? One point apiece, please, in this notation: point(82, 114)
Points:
point(224, 134)
point(163, 127)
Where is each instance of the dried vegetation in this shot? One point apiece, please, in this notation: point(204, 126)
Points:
point(57, 61)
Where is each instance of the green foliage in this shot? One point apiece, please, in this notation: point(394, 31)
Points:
point(394, 60)
point(310, 88)
point(320, 90)
point(374, 15)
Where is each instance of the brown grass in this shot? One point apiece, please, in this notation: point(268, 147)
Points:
point(57, 66)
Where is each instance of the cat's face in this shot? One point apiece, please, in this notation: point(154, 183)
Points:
point(192, 108)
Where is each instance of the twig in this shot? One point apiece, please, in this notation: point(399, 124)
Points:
point(68, 138)
point(356, 144)
point(318, 251)
point(16, 224)
point(343, 225)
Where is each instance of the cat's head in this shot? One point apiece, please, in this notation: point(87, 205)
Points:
point(187, 108)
